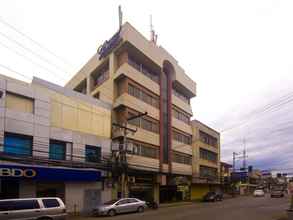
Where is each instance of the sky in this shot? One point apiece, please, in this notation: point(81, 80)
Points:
point(238, 52)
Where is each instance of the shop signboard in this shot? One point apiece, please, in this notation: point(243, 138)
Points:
point(42, 173)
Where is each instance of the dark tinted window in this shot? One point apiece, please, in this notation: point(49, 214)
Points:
point(50, 203)
point(6, 206)
point(25, 204)
point(132, 200)
point(122, 202)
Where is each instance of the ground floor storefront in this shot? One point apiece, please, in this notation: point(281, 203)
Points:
point(80, 189)
point(156, 187)
point(200, 189)
point(177, 188)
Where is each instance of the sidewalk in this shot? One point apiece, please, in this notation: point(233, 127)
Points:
point(173, 204)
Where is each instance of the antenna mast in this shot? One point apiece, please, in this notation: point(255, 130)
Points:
point(154, 36)
point(120, 16)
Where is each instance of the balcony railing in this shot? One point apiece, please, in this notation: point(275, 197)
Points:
point(198, 178)
point(40, 156)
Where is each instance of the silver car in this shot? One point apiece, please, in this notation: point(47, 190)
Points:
point(124, 205)
point(49, 208)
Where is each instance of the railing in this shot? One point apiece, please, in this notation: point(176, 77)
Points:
point(198, 178)
point(41, 156)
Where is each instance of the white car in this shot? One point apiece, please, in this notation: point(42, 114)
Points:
point(259, 193)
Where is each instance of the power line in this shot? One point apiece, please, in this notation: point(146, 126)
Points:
point(32, 52)
point(34, 41)
point(30, 60)
point(275, 106)
point(18, 73)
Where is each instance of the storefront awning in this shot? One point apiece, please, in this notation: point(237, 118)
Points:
point(43, 173)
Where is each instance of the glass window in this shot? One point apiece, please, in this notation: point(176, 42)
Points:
point(93, 153)
point(57, 150)
point(25, 204)
point(130, 89)
point(50, 203)
point(122, 202)
point(20, 145)
point(146, 124)
point(6, 205)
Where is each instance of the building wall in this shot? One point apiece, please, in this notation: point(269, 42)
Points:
point(134, 44)
point(54, 112)
point(197, 144)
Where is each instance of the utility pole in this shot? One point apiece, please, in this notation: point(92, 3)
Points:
point(123, 150)
point(244, 155)
point(234, 161)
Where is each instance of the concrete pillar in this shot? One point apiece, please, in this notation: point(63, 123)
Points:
point(157, 193)
point(88, 85)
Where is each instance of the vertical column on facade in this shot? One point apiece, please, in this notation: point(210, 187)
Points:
point(88, 84)
point(112, 70)
point(156, 192)
point(2, 113)
point(41, 135)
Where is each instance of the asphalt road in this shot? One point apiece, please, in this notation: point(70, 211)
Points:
point(240, 208)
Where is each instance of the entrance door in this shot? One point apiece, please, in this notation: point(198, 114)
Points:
point(92, 198)
point(9, 189)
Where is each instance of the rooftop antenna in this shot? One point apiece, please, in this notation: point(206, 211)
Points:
point(120, 16)
point(154, 36)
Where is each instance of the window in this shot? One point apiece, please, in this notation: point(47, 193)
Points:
point(186, 139)
point(181, 96)
point(25, 204)
point(208, 172)
point(143, 69)
point(145, 150)
point(142, 95)
point(17, 144)
point(208, 155)
point(19, 102)
point(57, 150)
point(208, 139)
point(135, 121)
point(92, 154)
point(144, 123)
point(122, 202)
point(50, 203)
point(6, 206)
point(132, 200)
point(181, 158)
point(101, 75)
point(181, 116)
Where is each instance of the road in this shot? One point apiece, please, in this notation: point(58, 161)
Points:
point(240, 208)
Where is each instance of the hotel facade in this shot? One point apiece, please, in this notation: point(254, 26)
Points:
point(64, 141)
point(135, 76)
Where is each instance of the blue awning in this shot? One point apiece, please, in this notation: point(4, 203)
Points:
point(43, 173)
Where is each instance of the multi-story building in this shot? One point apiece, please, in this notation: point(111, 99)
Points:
point(206, 159)
point(52, 143)
point(135, 75)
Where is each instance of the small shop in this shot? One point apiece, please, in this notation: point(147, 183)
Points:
point(79, 188)
point(178, 189)
point(141, 186)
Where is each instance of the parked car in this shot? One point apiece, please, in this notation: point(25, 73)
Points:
point(259, 193)
point(277, 193)
point(212, 197)
point(34, 208)
point(124, 205)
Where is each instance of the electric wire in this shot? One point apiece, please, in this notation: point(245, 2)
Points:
point(32, 52)
point(33, 62)
point(34, 41)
